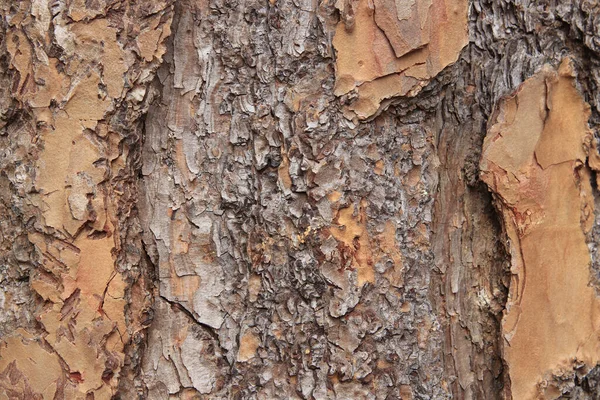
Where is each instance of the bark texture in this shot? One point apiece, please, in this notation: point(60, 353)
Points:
point(76, 75)
point(278, 199)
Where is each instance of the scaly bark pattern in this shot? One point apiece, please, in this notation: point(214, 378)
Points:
point(290, 208)
point(79, 73)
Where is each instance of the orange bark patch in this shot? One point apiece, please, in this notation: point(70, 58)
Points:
point(249, 343)
point(379, 167)
point(284, 172)
point(334, 196)
point(392, 48)
point(533, 160)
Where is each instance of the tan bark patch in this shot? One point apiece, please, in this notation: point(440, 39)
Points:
point(249, 343)
point(394, 48)
point(533, 161)
point(38, 372)
point(351, 231)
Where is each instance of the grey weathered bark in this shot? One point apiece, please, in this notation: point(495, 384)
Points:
point(294, 199)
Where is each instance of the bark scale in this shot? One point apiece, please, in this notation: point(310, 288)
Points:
point(283, 199)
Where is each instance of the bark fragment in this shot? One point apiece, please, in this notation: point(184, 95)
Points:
point(78, 78)
point(394, 48)
point(534, 162)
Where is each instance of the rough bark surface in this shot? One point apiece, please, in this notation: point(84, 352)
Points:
point(294, 199)
point(78, 76)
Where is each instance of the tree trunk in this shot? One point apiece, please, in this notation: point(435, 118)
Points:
point(298, 199)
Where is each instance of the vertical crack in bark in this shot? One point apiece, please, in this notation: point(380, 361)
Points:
point(468, 286)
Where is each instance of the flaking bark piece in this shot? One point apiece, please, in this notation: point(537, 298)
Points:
point(533, 161)
point(394, 49)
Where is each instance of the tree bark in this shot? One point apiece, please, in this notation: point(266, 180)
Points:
point(299, 199)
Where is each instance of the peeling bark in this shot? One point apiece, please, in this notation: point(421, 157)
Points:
point(81, 90)
point(534, 162)
point(395, 48)
point(289, 199)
